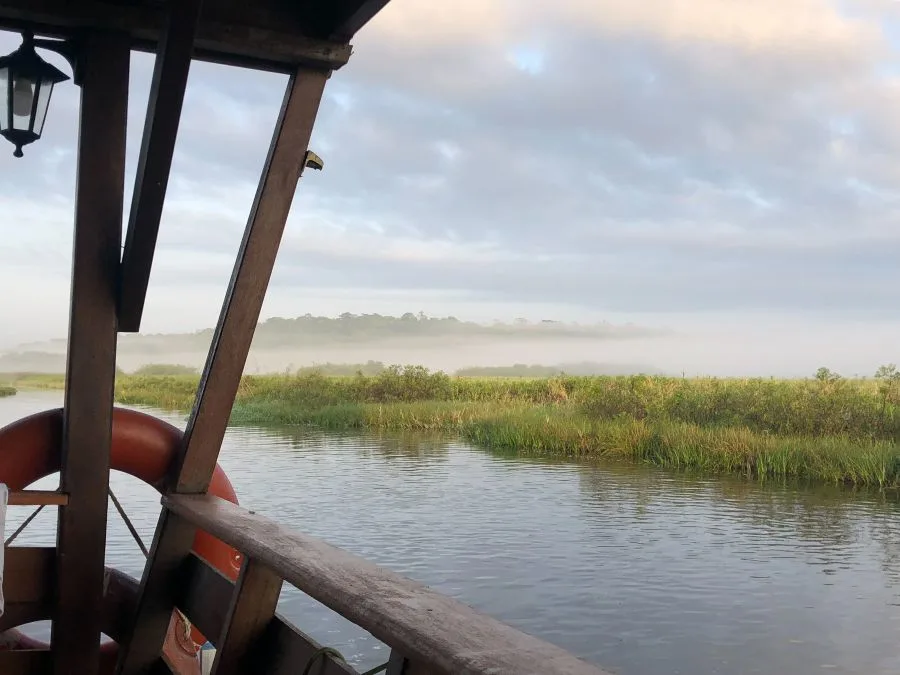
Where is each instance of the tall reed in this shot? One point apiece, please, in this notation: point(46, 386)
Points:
point(827, 428)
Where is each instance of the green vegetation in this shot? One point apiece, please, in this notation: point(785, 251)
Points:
point(155, 369)
point(33, 380)
point(825, 428)
point(344, 369)
point(581, 368)
point(6, 390)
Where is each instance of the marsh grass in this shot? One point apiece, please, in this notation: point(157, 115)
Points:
point(828, 429)
point(33, 380)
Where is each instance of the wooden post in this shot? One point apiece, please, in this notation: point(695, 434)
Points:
point(252, 608)
point(91, 359)
point(227, 356)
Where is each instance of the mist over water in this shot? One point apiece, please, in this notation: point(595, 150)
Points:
point(721, 345)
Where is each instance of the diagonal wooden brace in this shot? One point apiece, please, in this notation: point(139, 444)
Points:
point(221, 377)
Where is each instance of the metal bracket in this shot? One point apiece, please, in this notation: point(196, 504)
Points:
point(68, 49)
point(313, 161)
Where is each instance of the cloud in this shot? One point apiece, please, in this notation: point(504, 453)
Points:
point(601, 156)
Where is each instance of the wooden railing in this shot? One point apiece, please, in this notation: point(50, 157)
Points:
point(428, 633)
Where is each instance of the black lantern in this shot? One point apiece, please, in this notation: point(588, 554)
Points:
point(26, 82)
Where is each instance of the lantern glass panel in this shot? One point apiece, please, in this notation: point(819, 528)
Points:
point(43, 101)
point(4, 99)
point(22, 102)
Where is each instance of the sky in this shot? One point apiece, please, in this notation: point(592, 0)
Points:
point(724, 168)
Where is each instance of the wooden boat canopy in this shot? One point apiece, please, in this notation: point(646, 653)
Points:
point(428, 634)
point(274, 35)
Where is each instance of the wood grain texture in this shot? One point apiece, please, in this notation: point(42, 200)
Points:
point(428, 628)
point(162, 585)
point(247, 289)
point(262, 35)
point(167, 88)
point(91, 358)
point(251, 609)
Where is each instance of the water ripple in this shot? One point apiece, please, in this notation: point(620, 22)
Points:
point(640, 570)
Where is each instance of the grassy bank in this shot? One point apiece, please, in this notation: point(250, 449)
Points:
point(6, 390)
point(32, 380)
point(824, 428)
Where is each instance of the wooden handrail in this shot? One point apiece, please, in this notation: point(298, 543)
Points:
point(430, 629)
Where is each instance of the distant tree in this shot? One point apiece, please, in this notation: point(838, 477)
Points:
point(888, 378)
point(826, 375)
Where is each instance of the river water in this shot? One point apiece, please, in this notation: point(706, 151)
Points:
point(642, 571)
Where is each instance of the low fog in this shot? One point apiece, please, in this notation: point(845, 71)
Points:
point(738, 346)
point(754, 223)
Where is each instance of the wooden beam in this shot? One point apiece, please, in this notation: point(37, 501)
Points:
point(241, 34)
point(442, 635)
point(37, 498)
point(161, 586)
point(119, 602)
point(252, 608)
point(91, 359)
point(247, 288)
point(170, 75)
point(206, 603)
point(196, 462)
point(205, 598)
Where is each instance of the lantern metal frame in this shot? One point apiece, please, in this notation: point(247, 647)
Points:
point(26, 63)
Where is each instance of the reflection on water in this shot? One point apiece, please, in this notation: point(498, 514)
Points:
point(639, 570)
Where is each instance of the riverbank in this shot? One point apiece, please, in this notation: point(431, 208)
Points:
point(7, 391)
point(841, 431)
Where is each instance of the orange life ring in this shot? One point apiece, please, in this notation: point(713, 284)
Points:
point(142, 446)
